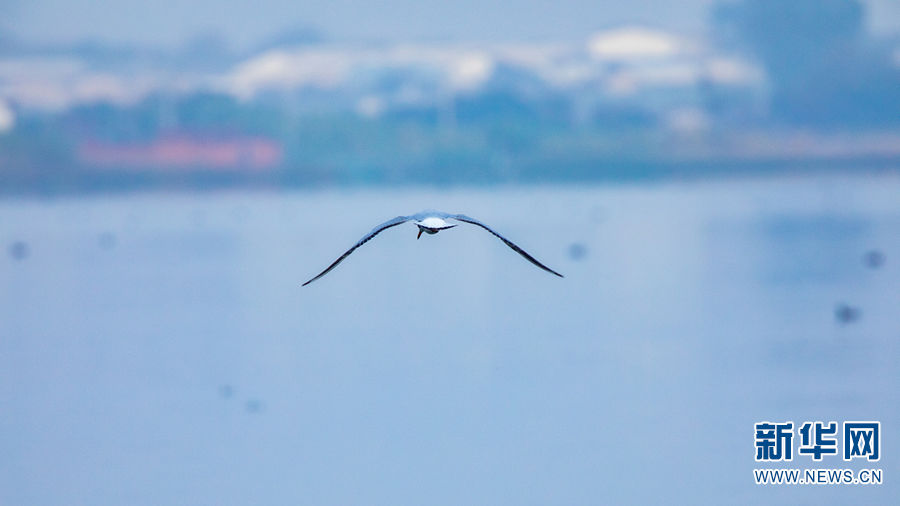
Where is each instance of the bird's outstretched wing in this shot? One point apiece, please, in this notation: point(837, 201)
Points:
point(375, 231)
point(473, 221)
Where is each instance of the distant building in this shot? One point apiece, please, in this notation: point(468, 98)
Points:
point(185, 152)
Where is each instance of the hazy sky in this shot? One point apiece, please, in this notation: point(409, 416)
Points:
point(243, 22)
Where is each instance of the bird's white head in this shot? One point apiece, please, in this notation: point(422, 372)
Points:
point(432, 225)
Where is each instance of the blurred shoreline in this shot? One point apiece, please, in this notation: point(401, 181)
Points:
point(604, 173)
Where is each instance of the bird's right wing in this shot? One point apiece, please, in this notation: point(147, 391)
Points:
point(512, 245)
point(375, 231)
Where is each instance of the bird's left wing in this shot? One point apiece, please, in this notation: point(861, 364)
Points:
point(473, 221)
point(375, 231)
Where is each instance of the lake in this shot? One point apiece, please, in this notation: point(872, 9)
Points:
point(159, 349)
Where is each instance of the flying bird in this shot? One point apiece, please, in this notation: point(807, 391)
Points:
point(430, 222)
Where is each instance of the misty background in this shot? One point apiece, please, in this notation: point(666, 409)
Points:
point(133, 96)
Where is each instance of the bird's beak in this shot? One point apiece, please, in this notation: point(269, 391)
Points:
point(419, 235)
